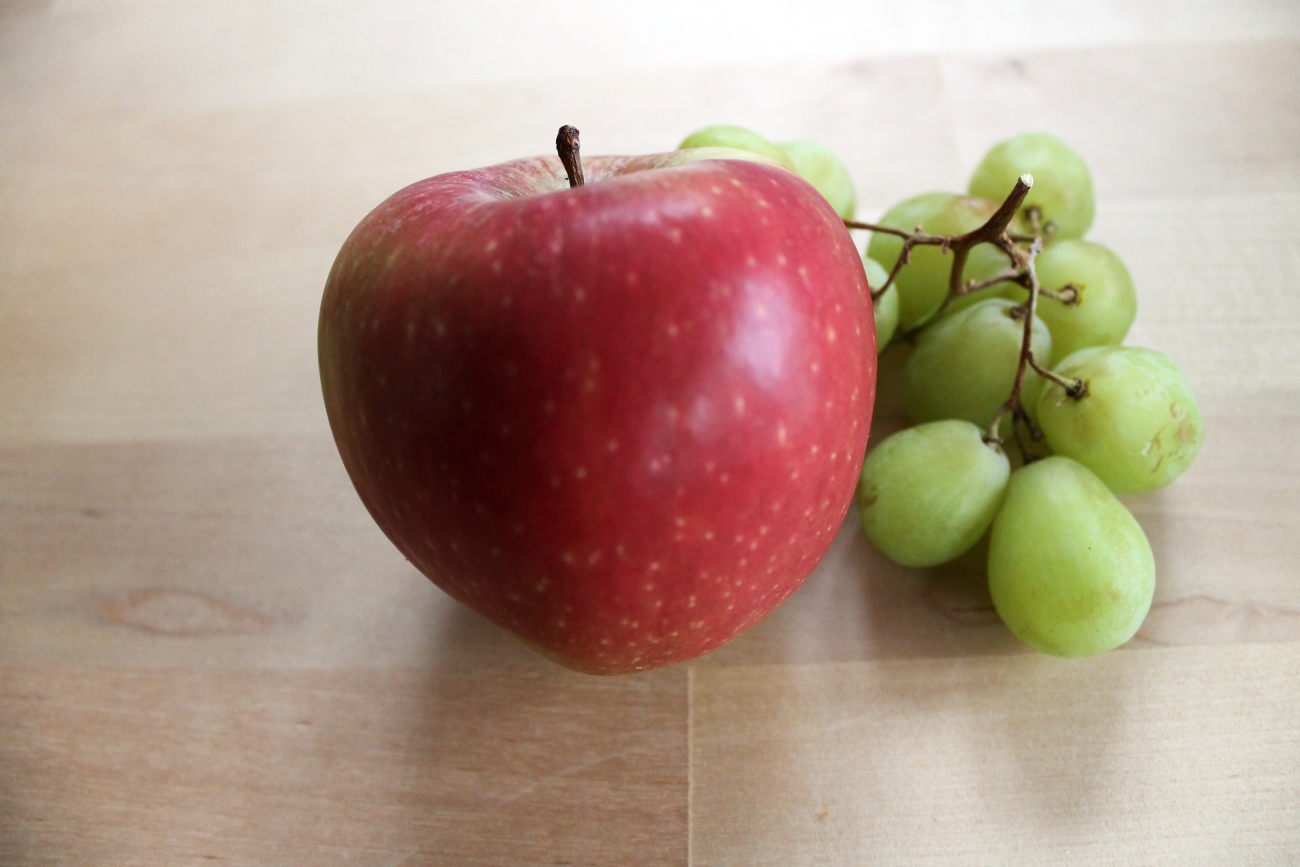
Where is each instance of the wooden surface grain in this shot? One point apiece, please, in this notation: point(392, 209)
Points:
point(210, 654)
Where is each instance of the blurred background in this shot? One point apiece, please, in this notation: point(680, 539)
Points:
point(209, 653)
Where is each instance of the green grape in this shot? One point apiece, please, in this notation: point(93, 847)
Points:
point(819, 166)
point(929, 492)
point(726, 136)
point(1062, 183)
point(1070, 570)
point(923, 282)
point(885, 307)
point(1107, 301)
point(964, 366)
point(1137, 428)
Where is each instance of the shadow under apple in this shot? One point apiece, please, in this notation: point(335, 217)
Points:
point(522, 761)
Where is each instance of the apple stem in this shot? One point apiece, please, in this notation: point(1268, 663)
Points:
point(567, 145)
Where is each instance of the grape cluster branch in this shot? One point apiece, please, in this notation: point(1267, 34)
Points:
point(993, 229)
point(1021, 271)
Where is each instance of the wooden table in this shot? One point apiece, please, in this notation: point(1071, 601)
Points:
point(210, 654)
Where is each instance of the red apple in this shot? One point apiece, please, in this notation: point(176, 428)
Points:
point(623, 421)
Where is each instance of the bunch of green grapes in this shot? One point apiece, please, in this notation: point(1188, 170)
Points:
point(1070, 570)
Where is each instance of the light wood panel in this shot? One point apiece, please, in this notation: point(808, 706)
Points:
point(1001, 761)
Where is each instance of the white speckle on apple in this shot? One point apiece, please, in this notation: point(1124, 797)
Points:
point(794, 474)
point(490, 246)
point(496, 266)
point(589, 385)
point(706, 211)
point(762, 203)
point(567, 557)
point(675, 235)
point(740, 405)
point(708, 535)
point(830, 335)
point(580, 473)
point(649, 587)
point(439, 328)
point(579, 294)
point(654, 566)
point(781, 434)
point(724, 478)
point(612, 445)
point(593, 558)
point(780, 260)
point(813, 448)
point(655, 466)
point(672, 329)
point(632, 277)
point(410, 331)
point(541, 586)
point(696, 624)
point(715, 190)
point(815, 367)
point(690, 601)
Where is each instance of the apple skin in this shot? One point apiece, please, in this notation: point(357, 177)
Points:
point(622, 421)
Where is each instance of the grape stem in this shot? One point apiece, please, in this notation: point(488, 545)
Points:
point(994, 228)
point(1013, 404)
point(1021, 271)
